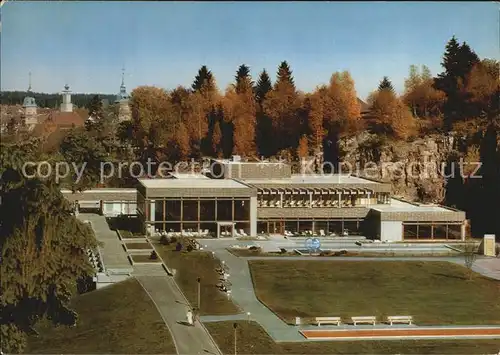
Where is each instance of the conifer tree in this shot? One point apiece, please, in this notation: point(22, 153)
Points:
point(204, 76)
point(243, 79)
point(386, 84)
point(263, 86)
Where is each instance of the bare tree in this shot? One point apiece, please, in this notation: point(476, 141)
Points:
point(470, 255)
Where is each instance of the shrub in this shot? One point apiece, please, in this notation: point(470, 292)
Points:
point(153, 255)
point(254, 248)
point(178, 246)
point(173, 240)
point(189, 248)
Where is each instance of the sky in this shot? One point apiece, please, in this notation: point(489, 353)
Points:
point(85, 44)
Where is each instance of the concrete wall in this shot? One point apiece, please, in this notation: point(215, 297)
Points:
point(391, 231)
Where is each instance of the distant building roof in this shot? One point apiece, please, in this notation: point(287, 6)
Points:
point(66, 119)
point(363, 106)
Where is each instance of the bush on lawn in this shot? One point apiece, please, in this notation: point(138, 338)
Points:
point(173, 240)
point(164, 240)
point(189, 248)
point(178, 246)
point(153, 255)
point(254, 248)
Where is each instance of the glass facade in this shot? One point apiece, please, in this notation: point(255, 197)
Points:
point(195, 214)
point(316, 226)
point(432, 230)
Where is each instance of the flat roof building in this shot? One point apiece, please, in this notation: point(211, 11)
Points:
point(248, 198)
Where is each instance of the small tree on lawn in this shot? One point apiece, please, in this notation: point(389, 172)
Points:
point(470, 255)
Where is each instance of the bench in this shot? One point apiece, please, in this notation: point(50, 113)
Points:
point(400, 319)
point(327, 320)
point(366, 320)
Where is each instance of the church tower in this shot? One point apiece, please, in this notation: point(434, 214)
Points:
point(30, 108)
point(66, 105)
point(122, 99)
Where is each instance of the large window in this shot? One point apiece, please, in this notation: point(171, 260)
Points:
point(454, 231)
point(335, 227)
point(242, 227)
point(428, 230)
point(262, 227)
point(190, 210)
point(159, 210)
point(173, 227)
point(410, 231)
point(291, 226)
point(305, 226)
point(242, 210)
point(224, 210)
point(351, 226)
point(173, 210)
point(207, 210)
point(439, 231)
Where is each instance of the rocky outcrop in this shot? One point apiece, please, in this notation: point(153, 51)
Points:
point(416, 169)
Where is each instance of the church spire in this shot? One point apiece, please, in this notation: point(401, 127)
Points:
point(123, 77)
point(29, 85)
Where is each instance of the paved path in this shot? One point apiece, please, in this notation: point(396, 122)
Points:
point(171, 304)
point(113, 255)
point(242, 291)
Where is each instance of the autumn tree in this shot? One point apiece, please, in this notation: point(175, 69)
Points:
point(153, 122)
point(483, 88)
point(281, 105)
point(240, 109)
point(420, 95)
point(303, 148)
point(315, 120)
point(393, 117)
point(263, 124)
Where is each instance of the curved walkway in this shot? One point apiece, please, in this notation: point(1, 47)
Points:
point(243, 294)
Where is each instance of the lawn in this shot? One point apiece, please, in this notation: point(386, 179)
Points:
point(431, 292)
point(190, 266)
point(138, 246)
point(144, 258)
point(252, 339)
point(119, 319)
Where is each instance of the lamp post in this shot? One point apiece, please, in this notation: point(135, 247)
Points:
point(235, 325)
point(248, 317)
point(199, 292)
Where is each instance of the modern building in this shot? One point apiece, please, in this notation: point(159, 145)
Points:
point(234, 198)
point(122, 100)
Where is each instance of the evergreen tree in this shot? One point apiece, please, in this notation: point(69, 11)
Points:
point(458, 61)
point(244, 81)
point(263, 86)
point(285, 75)
point(386, 84)
point(204, 76)
point(94, 108)
point(43, 251)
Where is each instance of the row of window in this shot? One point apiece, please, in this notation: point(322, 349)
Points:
point(187, 210)
point(432, 231)
point(337, 226)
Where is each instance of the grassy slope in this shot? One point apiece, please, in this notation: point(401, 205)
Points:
point(119, 319)
point(432, 292)
point(252, 339)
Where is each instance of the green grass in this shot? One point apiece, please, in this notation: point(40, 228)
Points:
point(128, 234)
point(431, 292)
point(144, 258)
point(119, 319)
point(138, 246)
point(190, 266)
point(252, 339)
